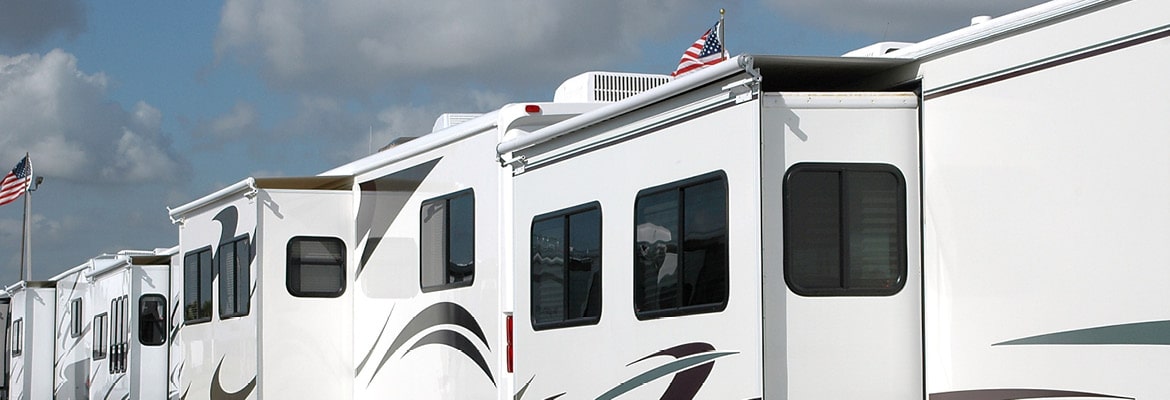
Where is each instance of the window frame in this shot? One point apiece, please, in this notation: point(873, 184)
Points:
point(162, 320)
point(564, 215)
point(240, 290)
point(17, 347)
point(292, 275)
point(75, 317)
point(679, 186)
point(99, 336)
point(843, 237)
point(199, 281)
point(446, 199)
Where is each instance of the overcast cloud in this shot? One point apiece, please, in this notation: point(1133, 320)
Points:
point(895, 20)
point(65, 117)
point(26, 23)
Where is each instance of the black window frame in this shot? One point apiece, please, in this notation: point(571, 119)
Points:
point(119, 334)
point(447, 239)
point(17, 337)
point(99, 336)
point(292, 280)
point(241, 274)
point(159, 323)
point(680, 186)
point(565, 215)
point(203, 310)
point(844, 194)
point(75, 315)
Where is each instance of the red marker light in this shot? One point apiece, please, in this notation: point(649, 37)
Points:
point(508, 327)
point(532, 109)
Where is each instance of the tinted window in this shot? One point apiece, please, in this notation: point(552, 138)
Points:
point(197, 286)
point(448, 241)
point(152, 319)
point(316, 267)
point(234, 261)
point(99, 336)
point(680, 247)
point(75, 318)
point(844, 229)
point(566, 267)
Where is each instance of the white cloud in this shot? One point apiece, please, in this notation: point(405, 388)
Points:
point(898, 20)
point(66, 120)
point(239, 122)
point(359, 47)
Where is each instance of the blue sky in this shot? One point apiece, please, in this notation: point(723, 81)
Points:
point(128, 107)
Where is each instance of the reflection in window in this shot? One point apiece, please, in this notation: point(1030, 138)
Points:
point(152, 319)
point(448, 241)
point(680, 247)
point(197, 286)
point(234, 260)
point(566, 274)
point(844, 229)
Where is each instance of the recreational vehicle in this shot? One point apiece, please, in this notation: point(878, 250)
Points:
point(30, 340)
point(71, 350)
point(927, 223)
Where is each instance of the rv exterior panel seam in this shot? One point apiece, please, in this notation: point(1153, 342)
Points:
point(859, 100)
point(179, 212)
point(1023, 19)
point(691, 81)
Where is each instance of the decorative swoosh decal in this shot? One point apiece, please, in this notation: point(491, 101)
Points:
point(113, 385)
point(362, 365)
point(1142, 333)
point(444, 313)
point(229, 219)
point(520, 393)
point(455, 340)
point(1016, 394)
point(381, 201)
point(664, 370)
point(218, 393)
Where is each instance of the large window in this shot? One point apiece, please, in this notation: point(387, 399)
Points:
point(448, 241)
point(152, 319)
point(680, 247)
point(197, 286)
point(844, 229)
point(566, 267)
point(316, 267)
point(234, 261)
point(99, 336)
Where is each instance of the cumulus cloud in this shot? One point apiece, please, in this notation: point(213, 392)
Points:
point(356, 47)
point(66, 120)
point(238, 122)
point(901, 20)
point(25, 23)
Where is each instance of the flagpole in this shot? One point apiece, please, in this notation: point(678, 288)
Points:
point(26, 240)
point(722, 37)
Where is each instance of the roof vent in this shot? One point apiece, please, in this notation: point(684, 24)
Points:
point(606, 87)
point(451, 119)
point(877, 49)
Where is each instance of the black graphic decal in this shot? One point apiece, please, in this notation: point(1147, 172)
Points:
point(362, 365)
point(217, 392)
point(229, 219)
point(686, 383)
point(436, 315)
point(451, 338)
point(1016, 394)
point(381, 201)
point(112, 386)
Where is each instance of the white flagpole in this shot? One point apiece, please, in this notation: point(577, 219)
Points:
point(26, 240)
point(722, 37)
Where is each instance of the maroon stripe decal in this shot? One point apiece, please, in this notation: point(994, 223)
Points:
point(1016, 394)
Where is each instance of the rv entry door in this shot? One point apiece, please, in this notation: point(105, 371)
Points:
point(841, 260)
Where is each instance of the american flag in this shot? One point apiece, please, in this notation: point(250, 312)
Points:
point(705, 51)
point(16, 182)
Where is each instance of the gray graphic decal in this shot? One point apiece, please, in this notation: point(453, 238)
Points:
point(434, 316)
point(381, 201)
point(1142, 333)
point(1016, 394)
point(218, 393)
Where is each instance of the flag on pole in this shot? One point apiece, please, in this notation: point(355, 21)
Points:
point(16, 182)
point(708, 50)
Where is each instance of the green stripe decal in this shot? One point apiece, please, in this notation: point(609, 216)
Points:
point(661, 371)
point(1142, 333)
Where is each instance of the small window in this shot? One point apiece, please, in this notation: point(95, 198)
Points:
point(234, 260)
point(152, 319)
point(99, 336)
point(316, 267)
point(844, 229)
point(680, 248)
point(566, 267)
point(197, 286)
point(448, 241)
point(17, 337)
point(119, 335)
point(75, 316)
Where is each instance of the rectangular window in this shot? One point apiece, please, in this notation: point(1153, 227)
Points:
point(448, 241)
point(99, 336)
point(119, 334)
point(566, 267)
point(17, 337)
point(316, 267)
point(75, 318)
point(844, 229)
point(152, 319)
point(234, 265)
point(197, 286)
point(680, 248)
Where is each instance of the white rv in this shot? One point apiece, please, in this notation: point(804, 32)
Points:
point(951, 220)
point(127, 324)
point(30, 340)
point(262, 285)
point(71, 356)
